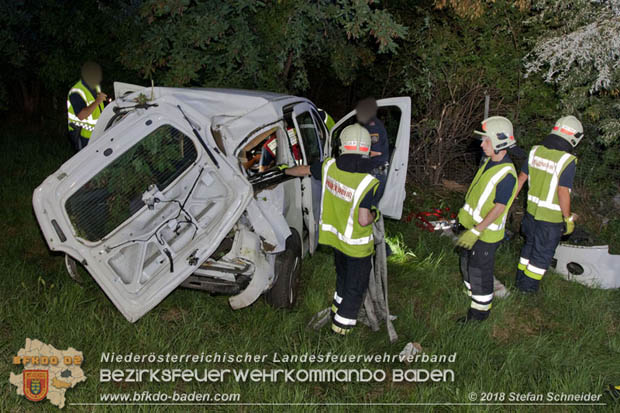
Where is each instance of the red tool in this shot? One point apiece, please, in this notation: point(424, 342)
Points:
point(443, 216)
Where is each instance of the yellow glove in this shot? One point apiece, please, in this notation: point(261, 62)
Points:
point(377, 214)
point(283, 167)
point(569, 224)
point(468, 239)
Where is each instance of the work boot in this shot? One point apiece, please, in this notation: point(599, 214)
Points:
point(526, 284)
point(474, 315)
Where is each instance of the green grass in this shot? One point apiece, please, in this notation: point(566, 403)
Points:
point(565, 339)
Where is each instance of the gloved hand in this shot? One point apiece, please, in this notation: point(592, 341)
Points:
point(569, 224)
point(283, 167)
point(468, 239)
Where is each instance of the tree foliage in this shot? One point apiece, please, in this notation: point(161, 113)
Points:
point(475, 8)
point(581, 43)
point(45, 43)
point(579, 52)
point(335, 51)
point(258, 44)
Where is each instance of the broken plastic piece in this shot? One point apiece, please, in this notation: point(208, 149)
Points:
point(591, 266)
point(499, 289)
point(410, 350)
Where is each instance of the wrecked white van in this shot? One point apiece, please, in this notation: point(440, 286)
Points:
point(175, 189)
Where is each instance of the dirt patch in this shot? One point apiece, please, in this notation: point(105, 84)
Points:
point(527, 322)
point(612, 326)
point(174, 315)
point(453, 186)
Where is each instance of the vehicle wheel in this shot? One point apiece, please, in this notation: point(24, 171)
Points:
point(288, 270)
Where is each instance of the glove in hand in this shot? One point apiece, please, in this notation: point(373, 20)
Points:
point(468, 239)
point(569, 224)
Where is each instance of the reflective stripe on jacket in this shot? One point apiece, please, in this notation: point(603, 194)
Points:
point(545, 168)
point(342, 193)
point(480, 199)
point(88, 124)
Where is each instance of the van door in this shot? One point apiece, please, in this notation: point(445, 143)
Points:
point(142, 207)
point(395, 113)
point(309, 133)
point(122, 89)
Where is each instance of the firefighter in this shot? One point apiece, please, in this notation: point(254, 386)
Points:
point(549, 170)
point(85, 102)
point(366, 113)
point(487, 202)
point(348, 209)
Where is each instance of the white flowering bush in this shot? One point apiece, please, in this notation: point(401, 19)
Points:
point(573, 52)
point(579, 51)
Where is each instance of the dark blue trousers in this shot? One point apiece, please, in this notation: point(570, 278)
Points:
point(541, 240)
point(352, 276)
point(477, 270)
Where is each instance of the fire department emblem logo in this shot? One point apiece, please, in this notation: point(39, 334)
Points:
point(35, 384)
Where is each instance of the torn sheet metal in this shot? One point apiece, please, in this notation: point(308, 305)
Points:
point(71, 266)
point(591, 266)
point(247, 246)
point(265, 213)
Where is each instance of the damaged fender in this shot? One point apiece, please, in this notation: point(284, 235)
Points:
point(247, 245)
point(265, 215)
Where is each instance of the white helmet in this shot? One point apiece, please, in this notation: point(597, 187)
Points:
point(499, 130)
point(355, 139)
point(568, 128)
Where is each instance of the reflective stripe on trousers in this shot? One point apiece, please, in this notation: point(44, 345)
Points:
point(352, 276)
point(477, 269)
point(541, 240)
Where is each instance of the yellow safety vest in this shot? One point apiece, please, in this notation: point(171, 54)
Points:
point(480, 200)
point(88, 124)
point(545, 166)
point(338, 224)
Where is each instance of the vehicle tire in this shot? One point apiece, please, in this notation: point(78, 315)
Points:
point(283, 293)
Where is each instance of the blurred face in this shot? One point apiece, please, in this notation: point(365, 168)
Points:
point(366, 110)
point(92, 74)
point(487, 147)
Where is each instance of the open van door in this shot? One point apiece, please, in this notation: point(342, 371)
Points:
point(123, 89)
point(395, 113)
point(310, 139)
point(142, 207)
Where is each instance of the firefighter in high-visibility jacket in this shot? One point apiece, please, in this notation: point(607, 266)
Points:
point(549, 170)
point(348, 209)
point(487, 202)
point(85, 102)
